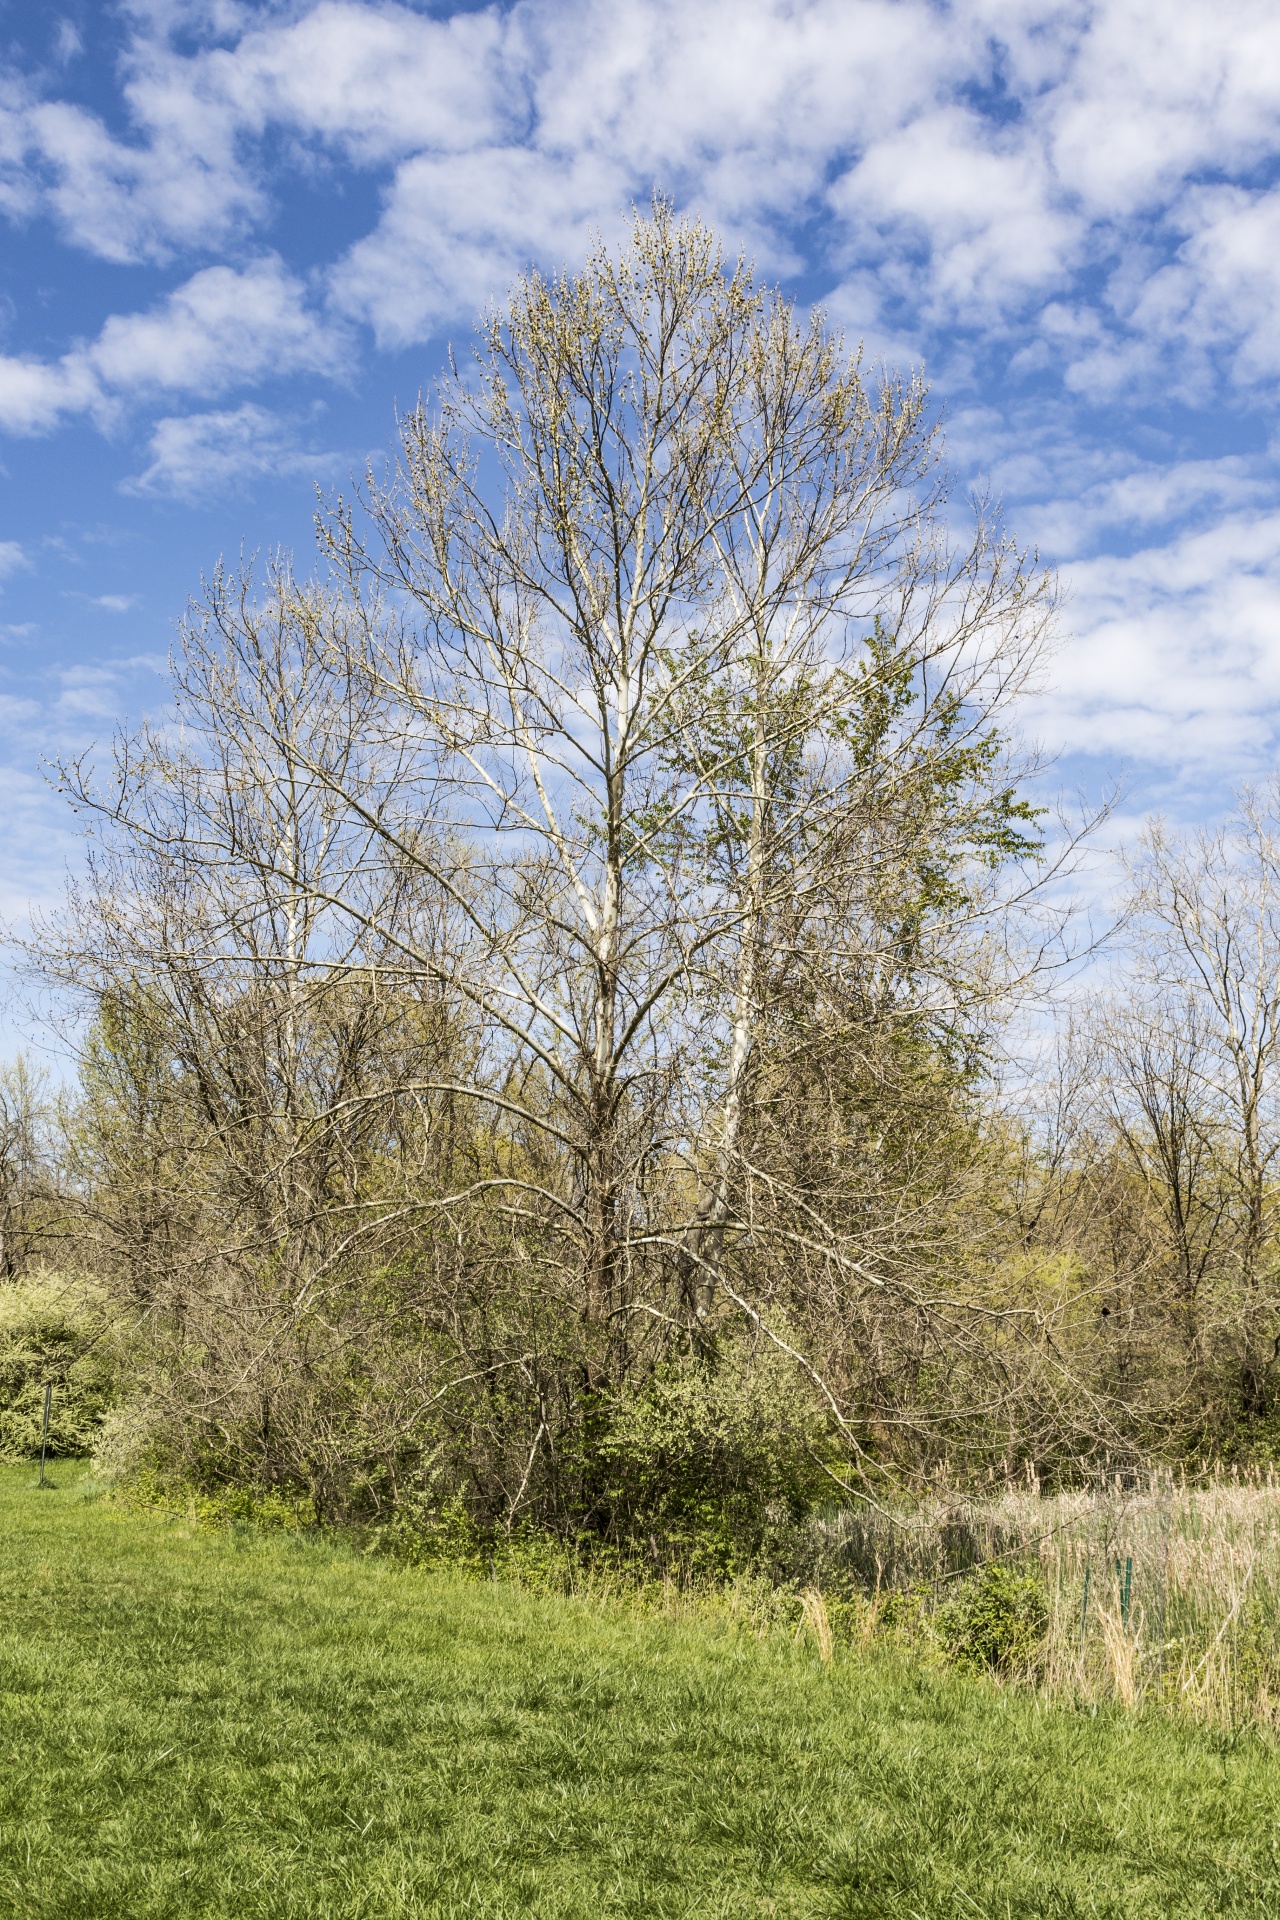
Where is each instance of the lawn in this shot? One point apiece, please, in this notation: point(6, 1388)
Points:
point(212, 1724)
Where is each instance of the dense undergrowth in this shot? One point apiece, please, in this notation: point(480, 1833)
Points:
point(1134, 1587)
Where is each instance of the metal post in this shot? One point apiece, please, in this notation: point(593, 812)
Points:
point(44, 1437)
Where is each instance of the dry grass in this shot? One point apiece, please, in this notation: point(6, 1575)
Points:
point(1201, 1626)
point(1160, 1589)
point(815, 1620)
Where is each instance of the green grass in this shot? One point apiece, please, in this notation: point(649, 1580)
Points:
point(195, 1724)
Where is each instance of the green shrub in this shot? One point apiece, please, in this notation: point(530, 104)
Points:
point(262, 1509)
point(53, 1330)
point(997, 1622)
point(429, 1529)
point(706, 1466)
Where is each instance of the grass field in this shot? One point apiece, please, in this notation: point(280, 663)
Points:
point(265, 1725)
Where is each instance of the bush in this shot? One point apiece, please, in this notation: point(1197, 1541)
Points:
point(53, 1330)
point(432, 1531)
point(707, 1467)
point(997, 1623)
point(130, 1443)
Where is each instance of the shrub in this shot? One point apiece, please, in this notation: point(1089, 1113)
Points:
point(707, 1466)
point(997, 1622)
point(430, 1529)
point(131, 1444)
point(53, 1330)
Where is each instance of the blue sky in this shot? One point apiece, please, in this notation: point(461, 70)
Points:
point(236, 236)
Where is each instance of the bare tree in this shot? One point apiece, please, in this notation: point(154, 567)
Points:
point(1209, 910)
point(256, 1136)
point(1158, 1092)
point(684, 642)
point(26, 1163)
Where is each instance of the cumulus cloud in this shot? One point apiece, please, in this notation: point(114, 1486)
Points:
point(221, 328)
point(35, 394)
point(196, 455)
point(1225, 289)
point(1123, 507)
point(372, 82)
point(461, 227)
point(950, 162)
point(1176, 654)
point(129, 202)
point(378, 82)
point(740, 109)
point(1081, 191)
point(1143, 93)
point(981, 210)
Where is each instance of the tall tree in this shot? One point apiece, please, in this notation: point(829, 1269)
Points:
point(1207, 912)
point(681, 636)
point(652, 724)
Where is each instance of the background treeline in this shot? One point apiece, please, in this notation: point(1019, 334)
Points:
point(542, 995)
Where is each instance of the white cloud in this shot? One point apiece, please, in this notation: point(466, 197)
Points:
point(460, 228)
point(1148, 498)
point(373, 82)
point(1075, 494)
point(739, 107)
point(34, 394)
point(378, 82)
point(89, 692)
point(11, 558)
point(1080, 184)
point(1232, 261)
point(221, 328)
point(196, 455)
point(67, 42)
point(1154, 90)
point(762, 114)
point(1018, 190)
point(1176, 659)
point(967, 161)
point(726, 88)
point(135, 202)
point(981, 209)
point(1206, 316)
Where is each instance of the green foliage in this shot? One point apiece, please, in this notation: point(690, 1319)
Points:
point(257, 1726)
point(53, 1329)
point(997, 1622)
point(703, 1461)
point(427, 1528)
point(229, 1508)
point(702, 1471)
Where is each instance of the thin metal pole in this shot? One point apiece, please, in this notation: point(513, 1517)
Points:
point(44, 1437)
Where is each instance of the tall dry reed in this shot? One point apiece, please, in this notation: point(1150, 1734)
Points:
point(1160, 1588)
